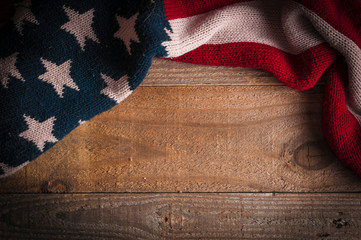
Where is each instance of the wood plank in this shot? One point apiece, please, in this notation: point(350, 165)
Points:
point(195, 139)
point(169, 73)
point(180, 216)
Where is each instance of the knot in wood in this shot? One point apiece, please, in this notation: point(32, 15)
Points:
point(339, 223)
point(55, 186)
point(173, 221)
point(313, 156)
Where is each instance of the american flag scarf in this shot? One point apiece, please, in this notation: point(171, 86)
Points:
point(63, 62)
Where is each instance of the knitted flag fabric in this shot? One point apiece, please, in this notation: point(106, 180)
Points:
point(63, 62)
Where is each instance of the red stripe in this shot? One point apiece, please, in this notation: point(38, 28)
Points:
point(296, 71)
point(341, 128)
point(342, 15)
point(186, 8)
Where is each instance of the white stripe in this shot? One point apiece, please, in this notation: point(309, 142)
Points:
point(286, 25)
point(280, 24)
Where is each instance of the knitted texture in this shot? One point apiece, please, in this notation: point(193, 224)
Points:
point(63, 62)
point(297, 41)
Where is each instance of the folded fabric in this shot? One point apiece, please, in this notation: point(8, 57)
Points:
point(63, 62)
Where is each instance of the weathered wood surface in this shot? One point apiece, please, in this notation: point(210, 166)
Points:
point(169, 73)
point(180, 216)
point(170, 136)
point(195, 139)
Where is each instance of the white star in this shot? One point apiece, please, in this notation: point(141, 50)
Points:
point(8, 170)
point(7, 67)
point(81, 122)
point(80, 26)
point(23, 13)
point(126, 31)
point(39, 132)
point(117, 90)
point(58, 76)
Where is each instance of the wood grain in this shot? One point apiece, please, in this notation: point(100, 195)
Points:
point(180, 216)
point(252, 136)
point(195, 139)
point(169, 73)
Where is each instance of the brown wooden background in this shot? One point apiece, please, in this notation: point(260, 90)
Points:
point(195, 152)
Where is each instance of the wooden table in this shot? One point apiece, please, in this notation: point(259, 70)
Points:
point(195, 152)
